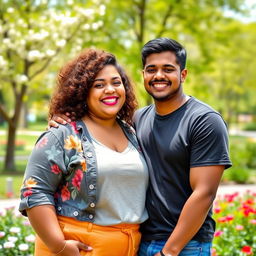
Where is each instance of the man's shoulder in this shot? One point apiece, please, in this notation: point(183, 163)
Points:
point(144, 110)
point(199, 107)
point(202, 113)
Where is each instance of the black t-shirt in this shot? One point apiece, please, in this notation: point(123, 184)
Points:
point(191, 136)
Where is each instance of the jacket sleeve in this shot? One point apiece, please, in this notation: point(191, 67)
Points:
point(43, 173)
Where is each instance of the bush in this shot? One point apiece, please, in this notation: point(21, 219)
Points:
point(16, 235)
point(238, 175)
point(243, 156)
point(250, 126)
point(235, 225)
point(250, 148)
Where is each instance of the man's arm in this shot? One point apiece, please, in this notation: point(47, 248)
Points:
point(204, 182)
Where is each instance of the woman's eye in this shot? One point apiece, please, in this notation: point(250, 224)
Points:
point(117, 83)
point(98, 85)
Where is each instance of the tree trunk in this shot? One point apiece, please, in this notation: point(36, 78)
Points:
point(23, 123)
point(12, 128)
point(9, 157)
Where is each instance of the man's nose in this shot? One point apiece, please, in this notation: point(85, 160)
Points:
point(159, 74)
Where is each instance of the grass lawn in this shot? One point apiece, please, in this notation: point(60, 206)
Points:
point(24, 143)
point(17, 181)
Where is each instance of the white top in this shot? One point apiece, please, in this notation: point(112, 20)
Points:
point(122, 182)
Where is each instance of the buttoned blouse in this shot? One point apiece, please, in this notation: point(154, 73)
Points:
point(62, 171)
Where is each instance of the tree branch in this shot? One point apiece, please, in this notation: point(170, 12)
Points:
point(142, 9)
point(164, 21)
point(4, 114)
point(48, 61)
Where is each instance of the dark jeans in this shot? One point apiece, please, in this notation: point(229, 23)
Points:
point(193, 248)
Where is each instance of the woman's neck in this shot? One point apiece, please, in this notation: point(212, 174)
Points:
point(95, 121)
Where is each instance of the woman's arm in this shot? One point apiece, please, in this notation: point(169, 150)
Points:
point(44, 220)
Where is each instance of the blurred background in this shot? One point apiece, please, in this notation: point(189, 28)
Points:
point(38, 37)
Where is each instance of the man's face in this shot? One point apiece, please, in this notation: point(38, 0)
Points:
point(162, 76)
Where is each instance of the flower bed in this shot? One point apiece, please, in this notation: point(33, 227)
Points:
point(16, 235)
point(19, 144)
point(235, 217)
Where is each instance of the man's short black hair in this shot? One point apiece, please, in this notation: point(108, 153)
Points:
point(164, 44)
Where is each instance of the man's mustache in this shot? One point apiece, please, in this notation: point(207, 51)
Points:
point(160, 81)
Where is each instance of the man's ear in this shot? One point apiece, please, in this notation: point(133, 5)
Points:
point(183, 75)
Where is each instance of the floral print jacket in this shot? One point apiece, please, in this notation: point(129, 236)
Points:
point(62, 171)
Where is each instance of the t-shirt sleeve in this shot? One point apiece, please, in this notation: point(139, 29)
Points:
point(43, 173)
point(209, 145)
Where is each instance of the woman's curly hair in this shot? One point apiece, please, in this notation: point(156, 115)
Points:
point(76, 78)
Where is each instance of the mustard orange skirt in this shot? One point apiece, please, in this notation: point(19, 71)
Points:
point(116, 240)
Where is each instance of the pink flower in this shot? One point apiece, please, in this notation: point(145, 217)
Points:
point(76, 181)
point(41, 143)
point(225, 218)
point(9, 194)
point(27, 193)
point(73, 124)
point(247, 249)
point(218, 233)
point(253, 221)
point(214, 252)
point(55, 169)
point(247, 209)
point(221, 219)
point(249, 201)
point(239, 227)
point(230, 197)
point(65, 194)
point(217, 210)
point(229, 217)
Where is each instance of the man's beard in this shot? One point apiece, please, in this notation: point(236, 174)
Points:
point(165, 97)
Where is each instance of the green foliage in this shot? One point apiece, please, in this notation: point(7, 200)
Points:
point(250, 126)
point(16, 235)
point(243, 152)
point(238, 175)
point(235, 225)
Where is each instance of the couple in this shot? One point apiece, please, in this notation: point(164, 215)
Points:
point(87, 182)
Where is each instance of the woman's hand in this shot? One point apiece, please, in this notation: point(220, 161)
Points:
point(72, 247)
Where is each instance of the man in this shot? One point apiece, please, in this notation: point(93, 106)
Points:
point(185, 144)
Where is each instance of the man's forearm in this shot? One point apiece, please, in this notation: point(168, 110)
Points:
point(191, 219)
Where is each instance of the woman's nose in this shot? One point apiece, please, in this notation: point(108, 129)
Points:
point(109, 88)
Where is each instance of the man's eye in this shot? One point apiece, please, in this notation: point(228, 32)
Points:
point(168, 70)
point(151, 70)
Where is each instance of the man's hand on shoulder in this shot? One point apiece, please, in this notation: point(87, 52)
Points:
point(59, 119)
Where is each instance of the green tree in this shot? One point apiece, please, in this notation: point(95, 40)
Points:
point(129, 24)
point(33, 33)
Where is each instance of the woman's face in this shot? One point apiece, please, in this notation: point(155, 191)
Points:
point(107, 95)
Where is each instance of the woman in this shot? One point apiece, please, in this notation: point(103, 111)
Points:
point(85, 182)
